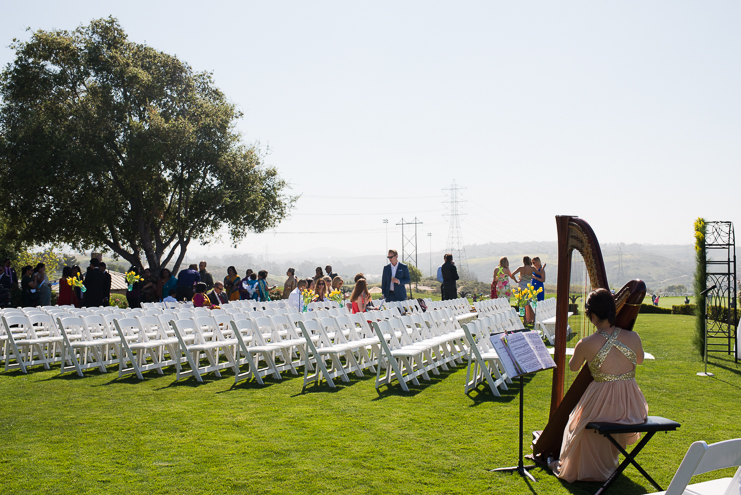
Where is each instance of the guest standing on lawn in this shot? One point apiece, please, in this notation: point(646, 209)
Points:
point(94, 285)
point(107, 281)
point(206, 277)
point(187, 280)
point(525, 272)
point(450, 275)
point(394, 279)
point(291, 283)
point(232, 283)
point(65, 289)
point(500, 287)
point(539, 278)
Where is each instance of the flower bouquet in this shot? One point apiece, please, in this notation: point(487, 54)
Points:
point(336, 296)
point(307, 296)
point(131, 279)
point(526, 298)
point(75, 282)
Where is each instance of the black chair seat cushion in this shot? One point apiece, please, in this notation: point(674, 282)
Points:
point(653, 423)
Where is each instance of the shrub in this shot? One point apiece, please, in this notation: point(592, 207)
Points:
point(119, 301)
point(650, 308)
point(684, 309)
point(276, 294)
point(700, 284)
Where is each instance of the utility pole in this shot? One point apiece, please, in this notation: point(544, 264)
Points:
point(455, 238)
point(409, 245)
point(429, 234)
point(386, 222)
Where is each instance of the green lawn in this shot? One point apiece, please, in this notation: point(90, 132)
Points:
point(101, 434)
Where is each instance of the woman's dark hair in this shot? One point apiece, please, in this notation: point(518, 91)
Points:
point(66, 272)
point(526, 261)
point(26, 269)
point(169, 273)
point(448, 257)
point(39, 267)
point(200, 287)
point(319, 271)
point(77, 269)
point(231, 269)
point(601, 304)
point(262, 274)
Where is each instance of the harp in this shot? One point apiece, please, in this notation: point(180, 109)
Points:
point(576, 234)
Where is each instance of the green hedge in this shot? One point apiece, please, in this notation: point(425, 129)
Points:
point(684, 309)
point(650, 308)
point(119, 301)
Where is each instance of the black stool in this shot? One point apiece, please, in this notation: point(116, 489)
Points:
point(650, 427)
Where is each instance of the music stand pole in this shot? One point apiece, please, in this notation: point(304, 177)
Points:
point(520, 468)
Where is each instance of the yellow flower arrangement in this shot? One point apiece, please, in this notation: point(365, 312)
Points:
point(307, 296)
point(76, 282)
point(336, 296)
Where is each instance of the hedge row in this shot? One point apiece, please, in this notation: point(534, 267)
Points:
point(650, 308)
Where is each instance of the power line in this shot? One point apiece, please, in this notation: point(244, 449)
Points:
point(313, 196)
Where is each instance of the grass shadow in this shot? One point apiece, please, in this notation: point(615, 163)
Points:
point(394, 389)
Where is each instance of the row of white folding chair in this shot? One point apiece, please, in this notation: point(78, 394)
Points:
point(29, 340)
point(429, 341)
point(483, 358)
point(332, 338)
point(492, 306)
point(544, 310)
point(458, 306)
point(405, 307)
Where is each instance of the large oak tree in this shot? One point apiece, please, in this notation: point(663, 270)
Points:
point(107, 143)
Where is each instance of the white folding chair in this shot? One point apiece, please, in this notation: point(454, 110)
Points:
point(702, 458)
point(78, 345)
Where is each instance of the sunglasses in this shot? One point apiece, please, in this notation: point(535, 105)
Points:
point(391, 257)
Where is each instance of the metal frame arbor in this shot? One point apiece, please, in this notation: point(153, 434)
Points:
point(720, 268)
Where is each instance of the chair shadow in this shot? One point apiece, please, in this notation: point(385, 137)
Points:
point(250, 385)
point(394, 389)
point(622, 485)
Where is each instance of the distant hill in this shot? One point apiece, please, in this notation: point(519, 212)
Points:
point(657, 265)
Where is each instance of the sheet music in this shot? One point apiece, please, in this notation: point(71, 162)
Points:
point(504, 356)
point(523, 352)
point(541, 351)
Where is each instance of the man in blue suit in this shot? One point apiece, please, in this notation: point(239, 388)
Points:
point(395, 277)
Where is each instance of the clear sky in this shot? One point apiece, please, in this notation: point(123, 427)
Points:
point(627, 114)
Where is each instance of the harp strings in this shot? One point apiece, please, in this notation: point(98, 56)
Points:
point(580, 325)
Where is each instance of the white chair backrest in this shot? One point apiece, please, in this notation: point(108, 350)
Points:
point(702, 458)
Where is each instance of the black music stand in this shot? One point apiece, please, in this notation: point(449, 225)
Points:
point(520, 468)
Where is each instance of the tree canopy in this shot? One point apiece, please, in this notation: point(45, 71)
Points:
point(110, 144)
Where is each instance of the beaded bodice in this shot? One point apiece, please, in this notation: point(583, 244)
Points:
point(596, 363)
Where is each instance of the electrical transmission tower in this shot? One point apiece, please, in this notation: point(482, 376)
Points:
point(455, 238)
point(409, 242)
